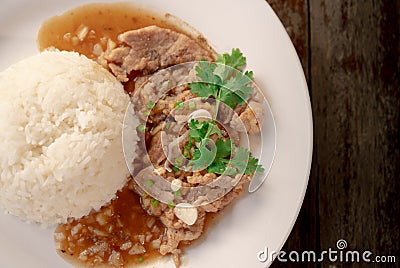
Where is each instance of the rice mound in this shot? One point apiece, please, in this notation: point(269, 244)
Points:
point(61, 155)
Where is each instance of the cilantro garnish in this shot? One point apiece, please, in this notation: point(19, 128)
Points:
point(235, 60)
point(245, 163)
point(171, 204)
point(203, 130)
point(178, 161)
point(225, 82)
point(141, 128)
point(149, 183)
point(178, 192)
point(203, 155)
point(216, 157)
point(150, 105)
point(179, 105)
point(175, 169)
point(154, 202)
point(224, 150)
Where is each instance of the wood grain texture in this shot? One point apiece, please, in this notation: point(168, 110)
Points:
point(294, 16)
point(352, 61)
point(355, 96)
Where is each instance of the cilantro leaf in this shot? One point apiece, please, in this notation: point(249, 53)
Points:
point(245, 163)
point(230, 171)
point(235, 60)
point(218, 80)
point(223, 81)
point(208, 84)
point(253, 166)
point(196, 155)
point(230, 99)
point(194, 124)
point(239, 161)
point(216, 167)
point(224, 148)
point(204, 155)
point(205, 71)
point(203, 90)
point(203, 130)
point(223, 72)
point(239, 85)
point(250, 75)
point(213, 129)
point(197, 130)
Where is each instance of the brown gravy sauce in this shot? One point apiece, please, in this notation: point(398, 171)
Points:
point(123, 220)
point(104, 21)
point(107, 237)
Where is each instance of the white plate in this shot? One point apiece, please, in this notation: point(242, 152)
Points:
point(259, 220)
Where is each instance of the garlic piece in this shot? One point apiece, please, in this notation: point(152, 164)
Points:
point(82, 31)
point(186, 213)
point(160, 171)
point(176, 184)
point(199, 114)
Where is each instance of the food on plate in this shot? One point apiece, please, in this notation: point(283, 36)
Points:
point(192, 122)
point(188, 113)
point(149, 49)
point(173, 103)
point(61, 151)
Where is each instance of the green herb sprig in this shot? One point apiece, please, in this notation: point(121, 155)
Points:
point(225, 82)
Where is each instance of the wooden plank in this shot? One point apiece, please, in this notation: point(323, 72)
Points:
point(356, 99)
point(354, 81)
point(304, 236)
point(294, 16)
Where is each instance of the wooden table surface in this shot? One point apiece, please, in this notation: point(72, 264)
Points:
point(350, 54)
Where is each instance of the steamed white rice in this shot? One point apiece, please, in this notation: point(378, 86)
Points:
point(61, 153)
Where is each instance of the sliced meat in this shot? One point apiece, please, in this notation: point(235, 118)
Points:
point(179, 232)
point(250, 118)
point(151, 48)
point(228, 198)
point(201, 179)
point(156, 151)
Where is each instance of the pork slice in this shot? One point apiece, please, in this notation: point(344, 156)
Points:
point(151, 48)
point(228, 198)
point(178, 232)
point(156, 150)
